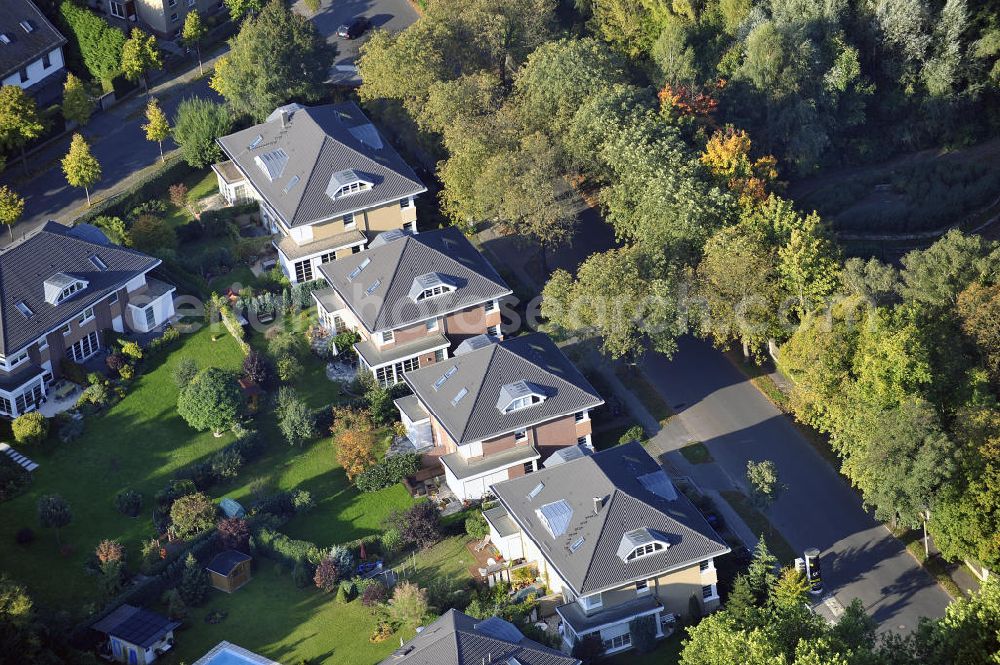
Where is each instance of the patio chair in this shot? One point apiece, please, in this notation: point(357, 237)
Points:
point(483, 543)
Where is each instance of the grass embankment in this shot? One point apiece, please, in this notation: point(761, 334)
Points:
point(760, 525)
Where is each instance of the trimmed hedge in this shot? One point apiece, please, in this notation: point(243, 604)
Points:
point(278, 547)
point(147, 187)
point(389, 471)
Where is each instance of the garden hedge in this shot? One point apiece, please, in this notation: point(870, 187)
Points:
point(149, 186)
point(389, 471)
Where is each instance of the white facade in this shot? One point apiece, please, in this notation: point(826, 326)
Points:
point(49, 64)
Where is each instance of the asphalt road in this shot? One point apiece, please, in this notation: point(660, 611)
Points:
point(118, 141)
point(860, 559)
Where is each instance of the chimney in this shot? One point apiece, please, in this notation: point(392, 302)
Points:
point(285, 117)
point(598, 504)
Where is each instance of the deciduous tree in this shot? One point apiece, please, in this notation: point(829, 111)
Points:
point(140, 54)
point(19, 120)
point(212, 401)
point(197, 124)
point(193, 33)
point(192, 514)
point(157, 127)
point(77, 105)
point(11, 208)
point(80, 167)
point(54, 513)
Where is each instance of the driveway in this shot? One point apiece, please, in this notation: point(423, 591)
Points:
point(391, 15)
point(717, 405)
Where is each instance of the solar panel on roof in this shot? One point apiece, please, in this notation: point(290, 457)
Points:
point(556, 517)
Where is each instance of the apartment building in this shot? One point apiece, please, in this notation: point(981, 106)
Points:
point(458, 639)
point(411, 298)
point(31, 51)
point(60, 289)
point(611, 533)
point(325, 179)
point(164, 18)
point(497, 410)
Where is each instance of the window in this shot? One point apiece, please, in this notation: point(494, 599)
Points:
point(392, 374)
point(410, 226)
point(459, 396)
point(493, 331)
point(490, 306)
point(708, 592)
point(85, 347)
point(405, 203)
point(46, 61)
point(583, 440)
point(522, 403)
point(434, 291)
point(69, 290)
point(88, 315)
point(113, 299)
point(349, 222)
point(641, 587)
point(387, 336)
point(24, 75)
point(29, 398)
point(150, 317)
point(304, 271)
point(17, 360)
point(580, 416)
point(98, 263)
point(117, 9)
point(43, 343)
point(329, 257)
point(355, 249)
point(173, 18)
point(592, 602)
point(521, 435)
point(25, 311)
point(619, 642)
point(439, 356)
point(529, 467)
point(65, 329)
point(432, 324)
point(645, 550)
point(171, 3)
point(5, 406)
point(705, 565)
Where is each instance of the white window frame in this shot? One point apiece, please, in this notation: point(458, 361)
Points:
point(174, 18)
point(493, 331)
point(643, 587)
point(431, 324)
point(712, 592)
point(591, 602)
point(490, 306)
point(387, 336)
point(350, 222)
point(86, 316)
point(521, 434)
point(405, 203)
point(117, 9)
point(645, 550)
point(66, 329)
point(91, 340)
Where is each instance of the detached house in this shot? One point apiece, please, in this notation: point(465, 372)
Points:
point(497, 409)
point(325, 179)
point(458, 639)
point(31, 51)
point(411, 298)
point(611, 533)
point(60, 289)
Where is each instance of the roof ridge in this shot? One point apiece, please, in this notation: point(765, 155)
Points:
point(312, 171)
point(494, 348)
point(604, 520)
point(377, 323)
point(361, 154)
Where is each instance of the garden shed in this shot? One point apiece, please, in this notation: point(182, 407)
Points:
point(229, 570)
point(136, 635)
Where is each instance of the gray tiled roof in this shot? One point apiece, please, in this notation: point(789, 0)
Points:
point(319, 143)
point(458, 639)
point(484, 372)
point(24, 47)
point(612, 475)
point(394, 265)
point(25, 265)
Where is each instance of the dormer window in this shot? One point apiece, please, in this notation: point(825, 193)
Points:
point(272, 163)
point(641, 543)
point(430, 285)
point(346, 182)
point(519, 395)
point(61, 286)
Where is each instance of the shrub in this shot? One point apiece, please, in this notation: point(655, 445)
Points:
point(342, 557)
point(226, 463)
point(30, 428)
point(374, 594)
point(24, 536)
point(178, 194)
point(354, 437)
point(276, 545)
point(197, 124)
point(73, 371)
point(302, 501)
point(287, 343)
point(54, 513)
point(152, 235)
point(191, 515)
point(633, 433)
point(344, 342)
point(234, 533)
point(476, 526)
point(185, 372)
point(109, 550)
point(420, 524)
point(194, 581)
point(115, 361)
point(176, 607)
point(128, 502)
point(326, 575)
point(132, 350)
point(14, 479)
point(295, 420)
point(289, 368)
point(112, 577)
point(409, 604)
point(98, 44)
point(589, 648)
point(389, 471)
point(347, 591)
point(126, 372)
point(392, 541)
point(257, 368)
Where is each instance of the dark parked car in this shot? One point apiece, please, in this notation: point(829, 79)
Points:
point(354, 29)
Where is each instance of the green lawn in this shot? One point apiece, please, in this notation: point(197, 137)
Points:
point(667, 652)
point(270, 616)
point(633, 379)
point(200, 185)
point(448, 559)
point(139, 443)
point(240, 275)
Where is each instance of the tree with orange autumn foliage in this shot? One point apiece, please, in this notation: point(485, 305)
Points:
point(354, 438)
point(727, 156)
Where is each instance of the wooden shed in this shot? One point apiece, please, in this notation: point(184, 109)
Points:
point(229, 570)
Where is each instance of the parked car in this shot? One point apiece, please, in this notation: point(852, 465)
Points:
point(355, 28)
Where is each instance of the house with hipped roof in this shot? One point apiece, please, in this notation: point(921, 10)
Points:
point(611, 533)
point(458, 639)
point(31, 51)
point(325, 179)
point(498, 410)
point(411, 299)
point(61, 289)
